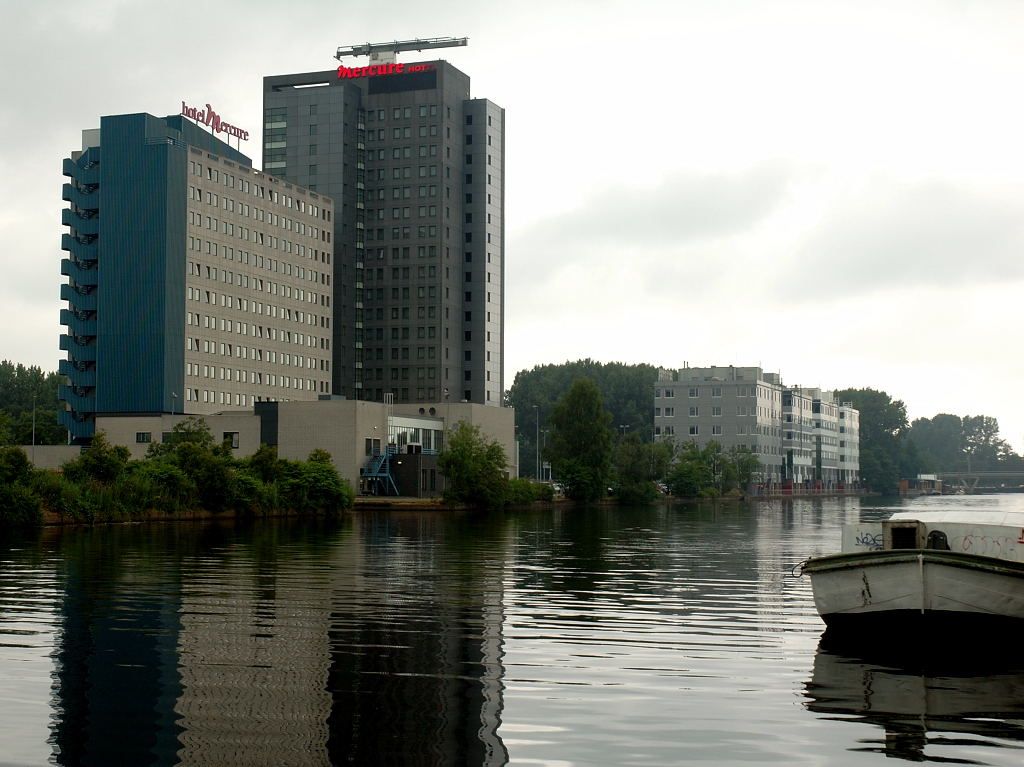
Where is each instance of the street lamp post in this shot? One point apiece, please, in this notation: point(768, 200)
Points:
point(536, 440)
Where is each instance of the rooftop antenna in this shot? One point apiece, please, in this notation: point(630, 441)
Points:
point(386, 53)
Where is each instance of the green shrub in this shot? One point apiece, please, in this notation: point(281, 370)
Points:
point(172, 489)
point(544, 491)
point(635, 493)
point(58, 494)
point(249, 495)
point(19, 506)
point(521, 491)
point(14, 466)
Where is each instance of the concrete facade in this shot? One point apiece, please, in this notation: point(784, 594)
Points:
point(258, 287)
point(849, 443)
point(240, 428)
point(352, 431)
point(801, 436)
point(195, 284)
point(416, 167)
point(734, 406)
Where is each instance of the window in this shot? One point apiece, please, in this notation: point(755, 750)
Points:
point(143, 437)
point(694, 392)
point(716, 391)
point(716, 430)
point(670, 412)
point(670, 392)
point(694, 412)
point(694, 430)
point(716, 412)
point(232, 438)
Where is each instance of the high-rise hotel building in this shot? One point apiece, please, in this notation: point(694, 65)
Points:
point(416, 169)
point(195, 283)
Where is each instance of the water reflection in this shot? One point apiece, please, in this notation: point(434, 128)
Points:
point(286, 644)
point(924, 702)
point(664, 635)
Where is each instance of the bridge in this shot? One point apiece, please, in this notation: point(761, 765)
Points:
point(978, 481)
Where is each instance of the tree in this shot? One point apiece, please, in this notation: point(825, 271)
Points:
point(474, 468)
point(627, 393)
point(580, 450)
point(634, 470)
point(691, 475)
point(939, 442)
point(325, 490)
point(982, 444)
point(746, 465)
point(100, 462)
point(22, 390)
point(886, 453)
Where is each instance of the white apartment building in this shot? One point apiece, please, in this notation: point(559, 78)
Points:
point(801, 436)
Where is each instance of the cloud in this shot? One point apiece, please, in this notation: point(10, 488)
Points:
point(927, 234)
point(679, 210)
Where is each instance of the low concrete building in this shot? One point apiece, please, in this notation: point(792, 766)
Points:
point(378, 447)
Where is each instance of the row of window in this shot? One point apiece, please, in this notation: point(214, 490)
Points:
point(694, 392)
point(213, 397)
point(256, 307)
point(238, 351)
point(244, 233)
point(258, 191)
point(716, 411)
point(238, 375)
point(258, 284)
point(226, 325)
point(256, 214)
point(399, 113)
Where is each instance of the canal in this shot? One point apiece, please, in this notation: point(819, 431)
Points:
point(675, 634)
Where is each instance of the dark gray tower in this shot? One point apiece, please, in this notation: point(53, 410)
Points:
point(416, 169)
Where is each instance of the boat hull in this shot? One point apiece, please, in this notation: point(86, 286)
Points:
point(919, 589)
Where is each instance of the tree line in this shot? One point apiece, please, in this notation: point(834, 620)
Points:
point(891, 448)
point(22, 391)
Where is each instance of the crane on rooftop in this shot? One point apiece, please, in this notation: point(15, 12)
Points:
point(381, 50)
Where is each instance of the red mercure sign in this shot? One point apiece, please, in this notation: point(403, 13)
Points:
point(375, 70)
point(212, 120)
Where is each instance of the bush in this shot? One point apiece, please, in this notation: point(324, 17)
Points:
point(19, 506)
point(171, 488)
point(473, 467)
point(544, 491)
point(521, 492)
point(636, 493)
point(14, 466)
point(101, 462)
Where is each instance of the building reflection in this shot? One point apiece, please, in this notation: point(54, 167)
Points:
point(915, 703)
point(115, 678)
point(416, 643)
point(376, 642)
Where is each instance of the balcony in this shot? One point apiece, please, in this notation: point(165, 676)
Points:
point(77, 351)
point(77, 300)
point(77, 273)
point(78, 377)
point(83, 400)
point(77, 325)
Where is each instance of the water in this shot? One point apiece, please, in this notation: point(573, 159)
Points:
point(670, 635)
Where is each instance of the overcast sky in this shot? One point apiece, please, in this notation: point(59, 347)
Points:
point(833, 190)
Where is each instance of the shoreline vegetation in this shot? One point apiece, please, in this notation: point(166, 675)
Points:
point(188, 476)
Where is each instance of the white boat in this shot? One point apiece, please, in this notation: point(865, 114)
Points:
point(960, 571)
